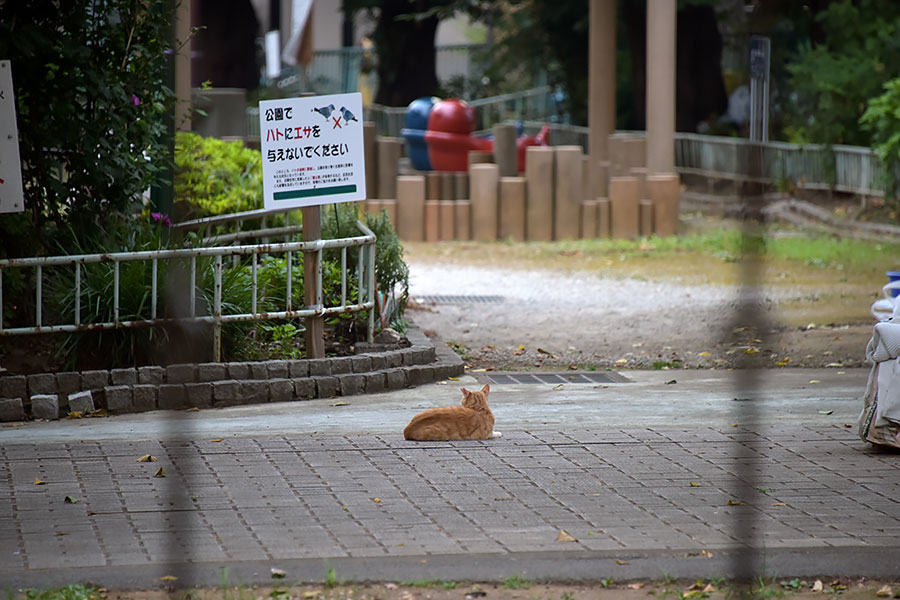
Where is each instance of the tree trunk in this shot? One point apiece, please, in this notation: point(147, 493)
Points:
point(406, 55)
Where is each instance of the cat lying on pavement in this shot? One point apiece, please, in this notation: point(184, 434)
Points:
point(471, 421)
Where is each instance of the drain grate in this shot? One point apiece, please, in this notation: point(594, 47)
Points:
point(555, 378)
point(445, 299)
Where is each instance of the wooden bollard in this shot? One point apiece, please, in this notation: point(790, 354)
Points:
point(370, 155)
point(635, 151)
point(432, 220)
point(663, 190)
point(461, 186)
point(432, 185)
point(462, 222)
point(411, 208)
point(645, 208)
point(568, 194)
point(505, 152)
point(539, 193)
point(446, 220)
point(388, 163)
point(483, 180)
point(512, 208)
point(477, 157)
point(603, 217)
point(373, 207)
point(448, 186)
point(641, 174)
point(589, 219)
point(390, 206)
point(623, 208)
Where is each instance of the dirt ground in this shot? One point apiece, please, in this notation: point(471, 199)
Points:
point(528, 307)
point(516, 590)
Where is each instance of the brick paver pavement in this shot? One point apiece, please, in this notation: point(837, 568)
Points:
point(270, 501)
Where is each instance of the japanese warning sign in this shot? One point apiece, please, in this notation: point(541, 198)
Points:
point(312, 150)
point(10, 165)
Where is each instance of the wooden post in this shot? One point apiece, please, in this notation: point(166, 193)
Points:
point(624, 208)
point(505, 152)
point(512, 208)
point(483, 188)
point(314, 337)
point(539, 193)
point(568, 193)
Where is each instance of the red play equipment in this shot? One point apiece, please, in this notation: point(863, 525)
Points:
point(449, 137)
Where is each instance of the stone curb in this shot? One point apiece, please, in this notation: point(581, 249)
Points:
point(201, 385)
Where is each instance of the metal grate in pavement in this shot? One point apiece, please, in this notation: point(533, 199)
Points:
point(555, 378)
point(447, 299)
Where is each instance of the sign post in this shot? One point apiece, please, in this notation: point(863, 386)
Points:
point(312, 154)
point(11, 196)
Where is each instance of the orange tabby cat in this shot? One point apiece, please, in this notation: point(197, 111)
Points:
point(471, 421)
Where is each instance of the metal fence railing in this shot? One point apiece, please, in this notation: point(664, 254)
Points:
point(200, 307)
point(850, 169)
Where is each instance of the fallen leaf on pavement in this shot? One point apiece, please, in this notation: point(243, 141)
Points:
point(70, 500)
point(453, 378)
point(671, 382)
point(39, 481)
point(341, 404)
point(564, 536)
point(814, 381)
point(817, 586)
point(75, 414)
point(542, 351)
point(216, 441)
point(376, 500)
point(704, 354)
point(160, 473)
point(573, 367)
point(440, 383)
point(558, 386)
point(277, 573)
point(147, 458)
point(736, 503)
point(622, 562)
point(885, 592)
point(635, 586)
point(694, 484)
point(622, 361)
point(477, 370)
point(783, 361)
point(825, 412)
point(168, 578)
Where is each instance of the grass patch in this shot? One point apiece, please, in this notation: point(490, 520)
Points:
point(69, 592)
point(516, 583)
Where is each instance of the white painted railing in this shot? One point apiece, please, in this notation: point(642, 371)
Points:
point(214, 312)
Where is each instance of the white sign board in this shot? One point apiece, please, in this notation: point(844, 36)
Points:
point(312, 150)
point(11, 199)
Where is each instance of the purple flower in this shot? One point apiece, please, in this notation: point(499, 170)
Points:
point(161, 218)
point(135, 100)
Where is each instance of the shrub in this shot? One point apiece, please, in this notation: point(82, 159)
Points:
point(91, 104)
point(214, 177)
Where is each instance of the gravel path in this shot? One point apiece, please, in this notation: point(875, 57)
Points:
point(587, 321)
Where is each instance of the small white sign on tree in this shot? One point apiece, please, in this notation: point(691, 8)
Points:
point(312, 150)
point(11, 197)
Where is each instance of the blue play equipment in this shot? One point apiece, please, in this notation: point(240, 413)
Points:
point(416, 122)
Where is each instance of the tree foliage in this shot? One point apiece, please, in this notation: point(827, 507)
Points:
point(91, 99)
point(831, 82)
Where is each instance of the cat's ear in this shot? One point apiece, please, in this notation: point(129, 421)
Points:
point(465, 392)
point(486, 388)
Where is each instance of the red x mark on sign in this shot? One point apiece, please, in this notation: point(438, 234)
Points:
point(337, 123)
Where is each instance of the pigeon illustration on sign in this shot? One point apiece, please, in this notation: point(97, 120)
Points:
point(348, 116)
point(325, 111)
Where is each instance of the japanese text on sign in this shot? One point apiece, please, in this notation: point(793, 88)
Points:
point(312, 150)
